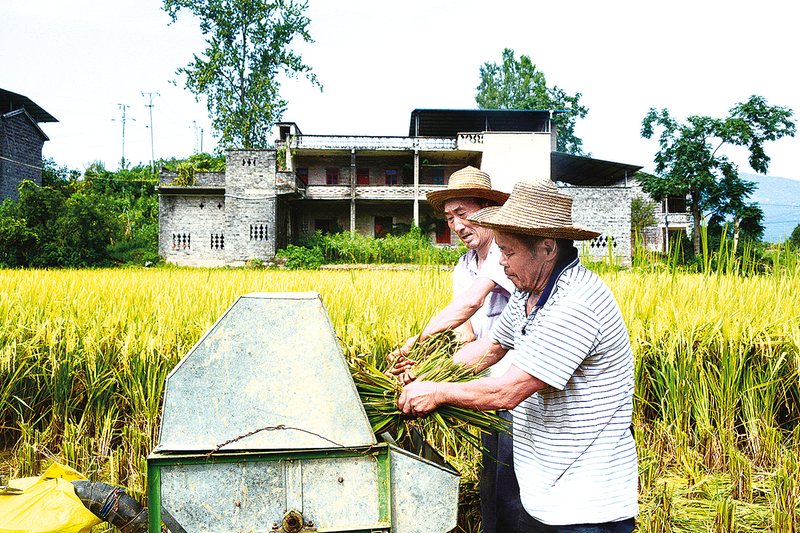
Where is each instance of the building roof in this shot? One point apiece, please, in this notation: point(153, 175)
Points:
point(451, 122)
point(12, 102)
point(588, 172)
point(24, 113)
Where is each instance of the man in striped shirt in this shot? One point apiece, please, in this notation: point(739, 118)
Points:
point(571, 383)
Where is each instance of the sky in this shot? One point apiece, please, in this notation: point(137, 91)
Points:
point(84, 60)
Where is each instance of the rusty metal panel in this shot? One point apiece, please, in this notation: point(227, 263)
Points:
point(271, 361)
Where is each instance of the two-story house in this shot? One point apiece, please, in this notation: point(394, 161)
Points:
point(368, 184)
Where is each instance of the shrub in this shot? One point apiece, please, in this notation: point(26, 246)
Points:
point(343, 248)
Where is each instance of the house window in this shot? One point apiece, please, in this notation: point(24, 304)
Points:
point(383, 226)
point(676, 204)
point(217, 241)
point(302, 175)
point(438, 177)
point(391, 177)
point(362, 176)
point(332, 176)
point(443, 235)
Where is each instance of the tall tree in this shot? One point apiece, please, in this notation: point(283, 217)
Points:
point(519, 85)
point(249, 45)
point(688, 162)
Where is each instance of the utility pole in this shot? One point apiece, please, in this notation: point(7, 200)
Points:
point(152, 149)
point(194, 129)
point(123, 107)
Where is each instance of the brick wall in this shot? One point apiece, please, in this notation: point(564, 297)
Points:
point(21, 142)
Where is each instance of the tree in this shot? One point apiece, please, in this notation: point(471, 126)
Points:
point(795, 238)
point(518, 85)
point(248, 47)
point(688, 163)
point(730, 200)
point(642, 215)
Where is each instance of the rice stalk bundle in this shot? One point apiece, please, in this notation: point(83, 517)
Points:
point(434, 362)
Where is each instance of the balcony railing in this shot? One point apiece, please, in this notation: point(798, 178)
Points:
point(362, 142)
point(377, 192)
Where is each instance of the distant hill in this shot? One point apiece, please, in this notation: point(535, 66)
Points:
point(779, 198)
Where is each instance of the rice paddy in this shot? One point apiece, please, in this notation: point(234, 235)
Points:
point(83, 357)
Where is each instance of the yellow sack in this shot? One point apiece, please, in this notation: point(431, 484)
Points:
point(48, 504)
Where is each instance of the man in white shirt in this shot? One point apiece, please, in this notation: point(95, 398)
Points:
point(480, 293)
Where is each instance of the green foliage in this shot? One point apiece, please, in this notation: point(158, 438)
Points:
point(518, 85)
point(17, 241)
point(344, 248)
point(200, 162)
point(642, 214)
point(59, 177)
point(248, 46)
point(688, 162)
point(795, 238)
point(301, 257)
point(106, 218)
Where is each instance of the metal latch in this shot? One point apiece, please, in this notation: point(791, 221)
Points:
point(293, 523)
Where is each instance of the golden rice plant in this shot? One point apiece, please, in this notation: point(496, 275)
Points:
point(84, 355)
point(433, 358)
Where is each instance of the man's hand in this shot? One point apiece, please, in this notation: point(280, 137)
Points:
point(419, 398)
point(404, 350)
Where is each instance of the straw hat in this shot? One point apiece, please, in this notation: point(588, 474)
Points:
point(534, 208)
point(469, 182)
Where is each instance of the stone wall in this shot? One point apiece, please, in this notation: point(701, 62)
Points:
point(607, 210)
point(192, 230)
point(251, 213)
point(250, 171)
point(21, 144)
point(250, 231)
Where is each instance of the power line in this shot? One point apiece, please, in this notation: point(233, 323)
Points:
point(21, 163)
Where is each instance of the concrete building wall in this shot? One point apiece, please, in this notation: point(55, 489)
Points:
point(251, 213)
point(250, 172)
point(250, 228)
point(376, 167)
point(512, 157)
point(607, 210)
point(188, 233)
point(21, 148)
point(401, 213)
point(317, 168)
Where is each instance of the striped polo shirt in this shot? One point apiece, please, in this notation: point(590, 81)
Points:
point(574, 453)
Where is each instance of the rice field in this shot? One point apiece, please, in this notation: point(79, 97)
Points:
point(83, 357)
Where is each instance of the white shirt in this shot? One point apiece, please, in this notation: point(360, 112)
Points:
point(464, 275)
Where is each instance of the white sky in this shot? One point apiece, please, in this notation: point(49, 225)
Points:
point(378, 61)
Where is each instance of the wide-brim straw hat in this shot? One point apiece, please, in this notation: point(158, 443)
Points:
point(534, 208)
point(469, 182)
